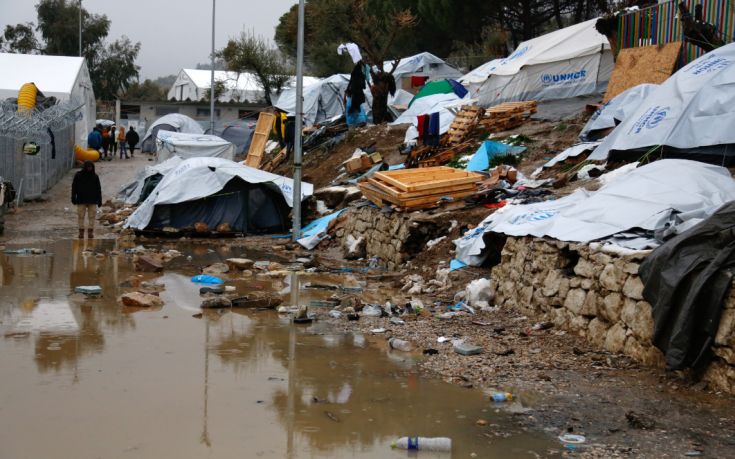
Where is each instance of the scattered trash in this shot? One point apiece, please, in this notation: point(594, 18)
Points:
point(542, 326)
point(438, 444)
point(206, 279)
point(693, 453)
point(455, 264)
point(140, 300)
point(335, 314)
point(30, 251)
point(572, 439)
point(481, 323)
point(481, 422)
point(378, 330)
point(332, 416)
point(372, 310)
point(400, 345)
point(301, 316)
point(353, 316)
point(430, 351)
point(467, 349)
point(397, 321)
point(502, 397)
point(88, 289)
point(214, 290)
point(442, 339)
point(230, 288)
point(351, 289)
point(324, 303)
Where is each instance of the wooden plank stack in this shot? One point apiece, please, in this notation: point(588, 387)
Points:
point(412, 189)
point(464, 123)
point(260, 137)
point(444, 156)
point(508, 115)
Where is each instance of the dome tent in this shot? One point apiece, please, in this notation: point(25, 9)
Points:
point(175, 122)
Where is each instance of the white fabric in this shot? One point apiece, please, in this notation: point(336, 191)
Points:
point(187, 146)
point(198, 178)
point(695, 107)
point(565, 63)
point(425, 106)
point(65, 78)
point(571, 152)
point(181, 123)
point(130, 193)
point(618, 109)
point(644, 199)
point(352, 49)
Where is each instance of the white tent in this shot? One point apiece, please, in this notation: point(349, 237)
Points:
point(426, 105)
point(422, 64)
point(169, 144)
point(197, 178)
point(565, 63)
point(616, 110)
point(323, 99)
point(671, 193)
point(130, 193)
point(194, 85)
point(691, 111)
point(174, 122)
point(65, 78)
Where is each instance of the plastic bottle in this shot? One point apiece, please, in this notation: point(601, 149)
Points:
point(443, 444)
point(400, 345)
point(501, 397)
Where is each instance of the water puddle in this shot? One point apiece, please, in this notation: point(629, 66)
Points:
point(93, 379)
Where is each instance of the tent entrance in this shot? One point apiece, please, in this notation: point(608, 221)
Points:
point(245, 207)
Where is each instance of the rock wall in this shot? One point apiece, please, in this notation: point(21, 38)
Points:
point(597, 295)
point(391, 238)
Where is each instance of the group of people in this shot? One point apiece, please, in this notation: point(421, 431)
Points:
point(107, 140)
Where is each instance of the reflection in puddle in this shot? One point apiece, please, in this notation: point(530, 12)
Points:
point(86, 376)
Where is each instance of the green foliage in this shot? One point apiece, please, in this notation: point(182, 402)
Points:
point(219, 89)
point(58, 23)
point(508, 160)
point(561, 127)
point(114, 68)
point(149, 91)
point(250, 53)
point(518, 140)
point(19, 39)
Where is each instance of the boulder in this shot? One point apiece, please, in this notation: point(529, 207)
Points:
point(201, 227)
point(584, 268)
point(215, 269)
point(239, 263)
point(633, 288)
point(141, 300)
point(612, 278)
point(597, 332)
point(612, 306)
point(575, 300)
point(638, 316)
point(216, 302)
point(224, 228)
point(259, 302)
point(615, 338)
point(149, 264)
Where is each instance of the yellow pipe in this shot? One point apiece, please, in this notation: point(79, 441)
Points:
point(27, 97)
point(80, 154)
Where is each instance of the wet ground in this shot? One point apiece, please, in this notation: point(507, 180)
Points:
point(92, 378)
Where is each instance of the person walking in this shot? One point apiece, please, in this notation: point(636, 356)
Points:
point(123, 143)
point(94, 139)
point(86, 194)
point(133, 139)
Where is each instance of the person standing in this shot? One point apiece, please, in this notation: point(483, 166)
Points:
point(105, 142)
point(123, 143)
point(113, 140)
point(94, 139)
point(86, 194)
point(133, 139)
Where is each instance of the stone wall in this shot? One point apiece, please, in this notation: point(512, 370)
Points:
point(393, 238)
point(597, 295)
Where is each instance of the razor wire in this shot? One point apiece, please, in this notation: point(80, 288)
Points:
point(34, 124)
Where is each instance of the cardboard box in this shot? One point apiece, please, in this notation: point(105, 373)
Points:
point(359, 164)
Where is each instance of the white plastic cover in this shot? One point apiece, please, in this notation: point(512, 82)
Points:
point(181, 123)
point(425, 64)
point(695, 107)
point(644, 199)
point(322, 100)
point(130, 193)
point(427, 105)
point(198, 178)
point(617, 109)
point(169, 144)
point(571, 152)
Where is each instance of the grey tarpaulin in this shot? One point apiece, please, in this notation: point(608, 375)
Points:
point(686, 281)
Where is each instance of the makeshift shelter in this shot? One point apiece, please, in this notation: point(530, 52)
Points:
point(636, 211)
point(568, 62)
point(413, 71)
point(187, 146)
point(216, 191)
point(437, 103)
point(194, 85)
point(66, 78)
point(174, 122)
point(146, 181)
point(440, 87)
point(689, 116)
point(614, 112)
point(323, 100)
point(239, 135)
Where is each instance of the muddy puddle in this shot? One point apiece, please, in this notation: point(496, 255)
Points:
point(88, 378)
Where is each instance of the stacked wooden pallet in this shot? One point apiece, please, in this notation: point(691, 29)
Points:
point(508, 115)
point(412, 189)
point(444, 156)
point(464, 123)
point(256, 151)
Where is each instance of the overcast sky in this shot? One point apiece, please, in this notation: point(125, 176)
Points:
point(174, 33)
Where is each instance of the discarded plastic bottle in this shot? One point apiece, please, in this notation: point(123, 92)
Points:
point(501, 397)
point(400, 345)
point(442, 444)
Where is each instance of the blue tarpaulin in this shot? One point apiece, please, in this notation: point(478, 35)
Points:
point(480, 161)
point(314, 232)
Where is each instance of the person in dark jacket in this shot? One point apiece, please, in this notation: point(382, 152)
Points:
point(86, 194)
point(290, 135)
point(94, 139)
point(132, 138)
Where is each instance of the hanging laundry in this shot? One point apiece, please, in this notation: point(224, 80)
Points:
point(432, 137)
point(421, 119)
point(418, 81)
point(352, 49)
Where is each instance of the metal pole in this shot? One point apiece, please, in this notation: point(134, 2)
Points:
point(80, 28)
point(211, 88)
point(299, 125)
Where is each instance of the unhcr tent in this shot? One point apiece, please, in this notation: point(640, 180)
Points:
point(614, 112)
point(174, 122)
point(216, 191)
point(65, 78)
point(568, 62)
point(146, 181)
point(169, 144)
point(690, 115)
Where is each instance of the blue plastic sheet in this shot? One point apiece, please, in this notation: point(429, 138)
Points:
point(206, 279)
point(480, 161)
point(456, 264)
point(314, 232)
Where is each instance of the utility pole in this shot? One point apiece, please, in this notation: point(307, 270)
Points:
point(211, 87)
point(80, 28)
point(296, 233)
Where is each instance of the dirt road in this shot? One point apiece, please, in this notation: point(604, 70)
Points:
point(55, 217)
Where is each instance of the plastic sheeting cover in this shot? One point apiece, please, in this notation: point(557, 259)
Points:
point(170, 143)
point(645, 198)
point(130, 193)
point(480, 161)
point(617, 110)
point(181, 123)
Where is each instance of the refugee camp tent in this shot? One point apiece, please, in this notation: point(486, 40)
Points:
point(146, 181)
point(323, 100)
point(66, 78)
point(690, 115)
point(437, 103)
point(194, 85)
point(216, 191)
point(565, 63)
point(614, 112)
point(440, 87)
point(187, 146)
point(636, 210)
point(240, 135)
point(422, 65)
point(174, 122)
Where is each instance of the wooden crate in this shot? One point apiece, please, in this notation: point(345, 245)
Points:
point(508, 115)
point(464, 123)
point(445, 156)
point(260, 137)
